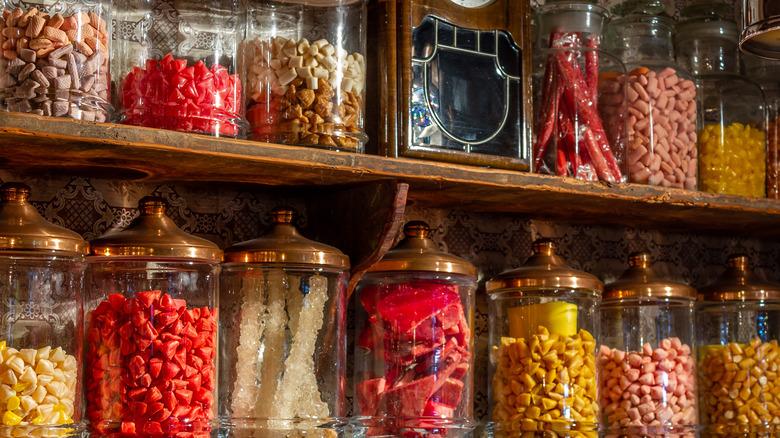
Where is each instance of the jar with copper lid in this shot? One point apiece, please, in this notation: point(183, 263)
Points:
point(283, 339)
point(414, 354)
point(646, 362)
point(738, 327)
point(41, 290)
point(543, 328)
point(151, 329)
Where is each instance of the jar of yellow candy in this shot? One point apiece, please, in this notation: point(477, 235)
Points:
point(732, 142)
point(542, 320)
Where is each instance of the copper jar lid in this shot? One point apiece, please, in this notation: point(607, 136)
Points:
point(640, 280)
point(545, 270)
point(22, 228)
point(282, 243)
point(739, 283)
point(418, 252)
point(153, 234)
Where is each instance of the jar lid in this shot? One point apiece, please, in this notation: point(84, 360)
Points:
point(739, 283)
point(572, 16)
point(23, 228)
point(640, 280)
point(153, 234)
point(418, 252)
point(282, 243)
point(546, 270)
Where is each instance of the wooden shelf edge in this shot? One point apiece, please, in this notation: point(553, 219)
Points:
point(30, 142)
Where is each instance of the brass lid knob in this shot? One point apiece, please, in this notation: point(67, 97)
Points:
point(640, 280)
point(739, 283)
point(23, 228)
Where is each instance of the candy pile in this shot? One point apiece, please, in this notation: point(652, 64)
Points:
point(150, 366)
point(168, 94)
point(773, 160)
point(739, 385)
point(661, 128)
point(420, 332)
point(648, 387)
point(38, 386)
point(547, 382)
point(732, 160)
point(305, 93)
point(54, 65)
point(567, 117)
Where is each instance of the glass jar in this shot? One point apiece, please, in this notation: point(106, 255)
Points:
point(41, 316)
point(306, 72)
point(662, 148)
point(766, 73)
point(737, 334)
point(647, 359)
point(543, 326)
point(178, 66)
point(151, 329)
point(579, 96)
point(56, 58)
point(283, 339)
point(414, 354)
point(732, 145)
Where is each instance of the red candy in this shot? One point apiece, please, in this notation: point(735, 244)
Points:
point(169, 95)
point(421, 333)
point(150, 367)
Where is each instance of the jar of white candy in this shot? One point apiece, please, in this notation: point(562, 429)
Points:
point(306, 72)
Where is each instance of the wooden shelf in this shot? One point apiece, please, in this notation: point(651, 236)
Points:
point(30, 143)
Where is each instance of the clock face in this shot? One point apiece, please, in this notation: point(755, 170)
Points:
point(471, 3)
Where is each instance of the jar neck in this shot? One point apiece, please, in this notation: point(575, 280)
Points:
point(638, 38)
point(707, 46)
point(582, 18)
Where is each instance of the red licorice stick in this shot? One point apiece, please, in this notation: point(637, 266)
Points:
point(568, 139)
point(547, 108)
point(578, 96)
point(592, 64)
point(599, 161)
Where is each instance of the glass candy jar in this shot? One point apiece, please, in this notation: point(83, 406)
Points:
point(283, 334)
point(766, 73)
point(55, 58)
point(579, 98)
point(662, 120)
point(738, 325)
point(42, 294)
point(151, 329)
point(178, 66)
point(647, 359)
point(414, 354)
point(543, 328)
point(306, 72)
point(732, 145)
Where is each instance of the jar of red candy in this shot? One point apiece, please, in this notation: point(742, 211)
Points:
point(739, 357)
point(282, 364)
point(306, 72)
point(766, 73)
point(662, 117)
point(55, 59)
point(41, 316)
point(151, 330)
point(415, 350)
point(647, 358)
point(579, 98)
point(543, 324)
point(178, 66)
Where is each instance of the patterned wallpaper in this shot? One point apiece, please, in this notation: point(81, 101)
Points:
point(493, 242)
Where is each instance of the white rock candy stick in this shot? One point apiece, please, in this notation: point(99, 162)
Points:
point(245, 389)
point(272, 362)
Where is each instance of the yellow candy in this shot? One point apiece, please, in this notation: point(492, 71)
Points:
point(11, 419)
point(2, 345)
point(21, 386)
point(13, 403)
point(37, 420)
point(555, 317)
point(732, 160)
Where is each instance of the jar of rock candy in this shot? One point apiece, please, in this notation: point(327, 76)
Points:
point(283, 340)
point(662, 117)
point(306, 72)
point(178, 66)
point(647, 359)
point(579, 96)
point(543, 329)
point(415, 351)
point(738, 331)
point(56, 58)
point(151, 329)
point(732, 145)
point(41, 291)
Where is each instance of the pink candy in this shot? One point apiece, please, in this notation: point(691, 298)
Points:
point(650, 387)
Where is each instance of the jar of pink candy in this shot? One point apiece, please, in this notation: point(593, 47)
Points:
point(646, 363)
